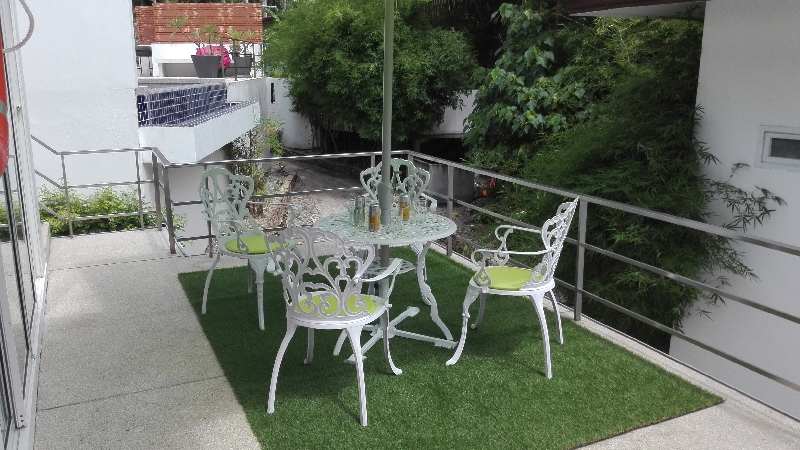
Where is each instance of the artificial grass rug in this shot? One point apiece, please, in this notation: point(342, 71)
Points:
point(496, 396)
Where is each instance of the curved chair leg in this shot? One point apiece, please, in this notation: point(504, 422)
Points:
point(208, 282)
point(354, 334)
point(310, 348)
point(339, 342)
point(290, 329)
point(386, 353)
point(558, 317)
point(537, 301)
point(481, 310)
point(472, 294)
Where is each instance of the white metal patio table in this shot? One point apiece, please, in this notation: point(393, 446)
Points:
point(409, 233)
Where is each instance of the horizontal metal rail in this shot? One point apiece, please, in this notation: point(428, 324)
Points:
point(66, 188)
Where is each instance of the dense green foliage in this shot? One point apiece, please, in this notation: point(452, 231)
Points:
point(331, 51)
point(103, 201)
point(606, 107)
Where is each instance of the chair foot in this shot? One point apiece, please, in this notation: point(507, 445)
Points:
point(310, 348)
point(208, 282)
point(355, 341)
point(386, 353)
point(537, 301)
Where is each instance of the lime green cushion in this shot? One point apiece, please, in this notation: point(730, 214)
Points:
point(508, 278)
point(255, 245)
point(371, 305)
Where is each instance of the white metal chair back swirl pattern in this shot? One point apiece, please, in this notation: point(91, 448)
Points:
point(413, 183)
point(324, 292)
point(501, 279)
point(225, 197)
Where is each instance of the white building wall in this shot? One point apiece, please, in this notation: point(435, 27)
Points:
point(80, 76)
point(748, 78)
point(297, 132)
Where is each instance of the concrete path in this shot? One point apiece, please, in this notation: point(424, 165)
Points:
point(125, 363)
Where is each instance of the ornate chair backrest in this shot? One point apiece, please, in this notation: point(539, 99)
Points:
point(413, 184)
point(554, 233)
point(322, 288)
point(225, 196)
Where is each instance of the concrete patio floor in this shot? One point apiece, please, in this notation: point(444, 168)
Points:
point(125, 364)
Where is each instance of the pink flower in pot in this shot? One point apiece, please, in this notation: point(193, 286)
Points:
point(215, 50)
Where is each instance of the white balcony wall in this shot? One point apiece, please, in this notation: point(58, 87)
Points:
point(749, 79)
point(80, 76)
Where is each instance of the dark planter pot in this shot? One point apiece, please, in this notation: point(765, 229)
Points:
point(241, 65)
point(207, 66)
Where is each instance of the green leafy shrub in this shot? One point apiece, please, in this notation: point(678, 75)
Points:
point(331, 51)
point(606, 107)
point(103, 201)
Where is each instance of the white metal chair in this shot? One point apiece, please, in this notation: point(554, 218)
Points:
point(516, 281)
point(406, 178)
point(225, 197)
point(325, 292)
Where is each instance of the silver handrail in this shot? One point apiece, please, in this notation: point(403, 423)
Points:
point(65, 186)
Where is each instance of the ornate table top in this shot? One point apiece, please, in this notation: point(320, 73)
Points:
point(435, 227)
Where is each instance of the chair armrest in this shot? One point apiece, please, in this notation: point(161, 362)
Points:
point(391, 269)
point(502, 256)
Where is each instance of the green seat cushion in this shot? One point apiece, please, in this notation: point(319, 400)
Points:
point(508, 278)
point(371, 305)
point(255, 245)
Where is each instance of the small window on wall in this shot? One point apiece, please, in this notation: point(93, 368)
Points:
point(780, 148)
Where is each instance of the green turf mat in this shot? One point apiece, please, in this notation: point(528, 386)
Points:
point(496, 396)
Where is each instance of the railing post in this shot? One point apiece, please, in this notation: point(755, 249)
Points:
point(211, 236)
point(582, 212)
point(66, 195)
point(450, 171)
point(168, 206)
point(157, 186)
point(139, 190)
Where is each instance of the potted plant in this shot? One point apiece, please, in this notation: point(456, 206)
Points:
point(242, 59)
point(209, 60)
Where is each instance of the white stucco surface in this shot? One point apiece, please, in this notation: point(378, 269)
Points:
point(297, 131)
point(749, 79)
point(80, 86)
point(191, 144)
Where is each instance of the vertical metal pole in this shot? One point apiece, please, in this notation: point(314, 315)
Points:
point(168, 205)
point(582, 212)
point(211, 237)
point(66, 195)
point(372, 161)
point(450, 171)
point(157, 186)
point(385, 187)
point(139, 189)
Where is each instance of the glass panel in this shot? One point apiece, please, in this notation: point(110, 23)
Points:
point(785, 148)
point(20, 295)
point(5, 419)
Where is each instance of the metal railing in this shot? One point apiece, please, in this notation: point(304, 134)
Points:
point(162, 168)
point(65, 187)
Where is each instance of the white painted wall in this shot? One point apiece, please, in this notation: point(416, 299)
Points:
point(749, 77)
point(453, 122)
point(80, 76)
point(297, 131)
point(192, 144)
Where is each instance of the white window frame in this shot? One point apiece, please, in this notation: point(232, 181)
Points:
point(766, 135)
